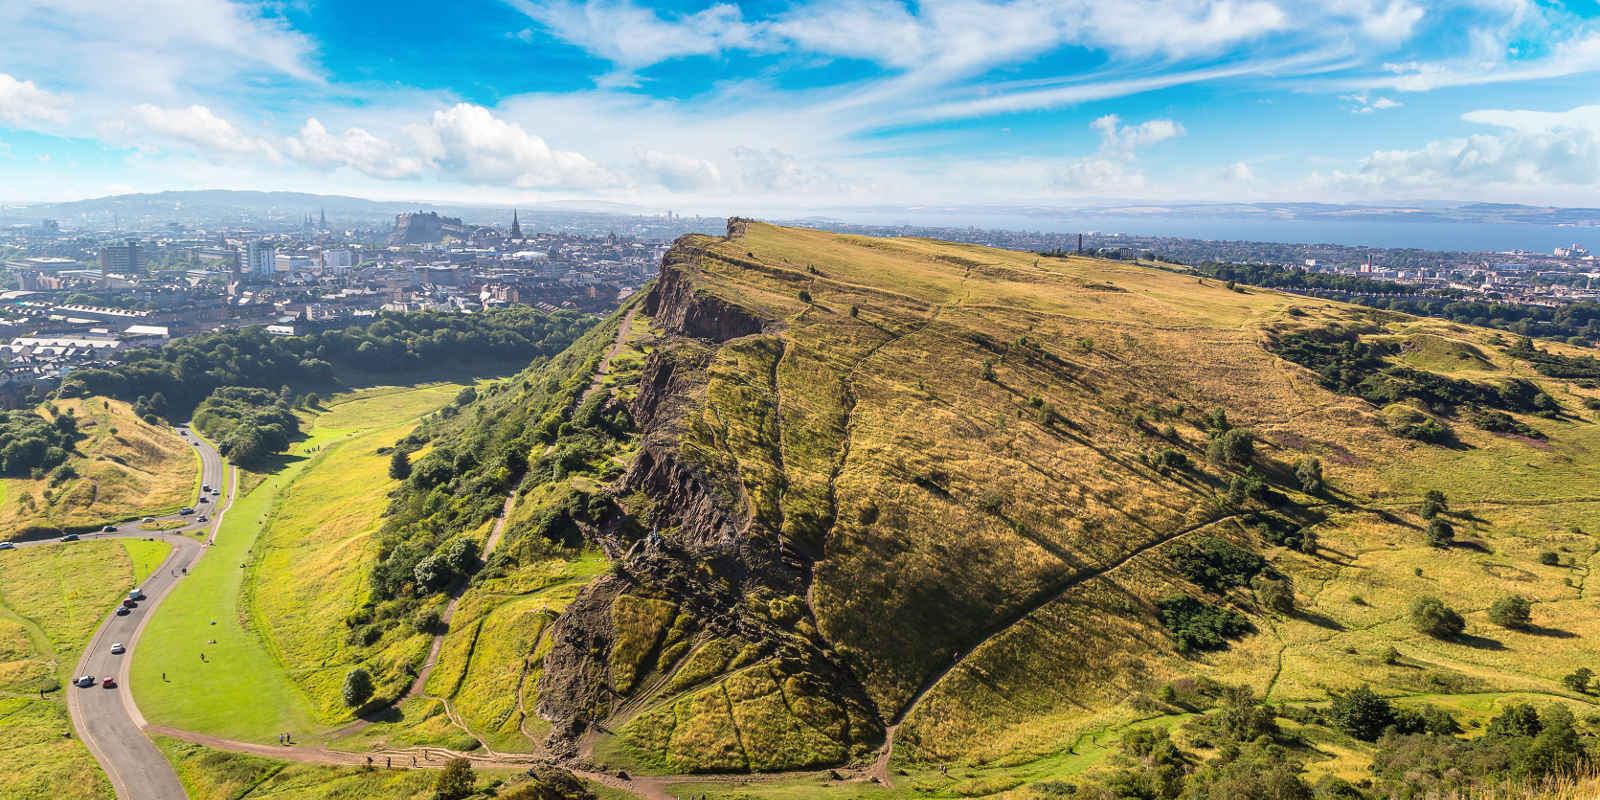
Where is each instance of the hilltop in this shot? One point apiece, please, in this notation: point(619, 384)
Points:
point(891, 504)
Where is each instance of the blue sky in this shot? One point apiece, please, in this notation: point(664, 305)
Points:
point(809, 104)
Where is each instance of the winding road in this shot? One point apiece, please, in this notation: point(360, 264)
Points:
point(107, 720)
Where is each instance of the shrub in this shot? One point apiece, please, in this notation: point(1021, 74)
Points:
point(1431, 616)
point(1511, 611)
point(1361, 713)
point(426, 622)
point(1440, 533)
point(1235, 446)
point(1309, 473)
point(399, 465)
point(357, 687)
point(1578, 680)
point(1200, 626)
point(1275, 593)
point(455, 781)
point(1549, 558)
point(805, 296)
point(1214, 564)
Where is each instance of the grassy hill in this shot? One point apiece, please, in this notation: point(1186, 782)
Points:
point(898, 504)
point(121, 467)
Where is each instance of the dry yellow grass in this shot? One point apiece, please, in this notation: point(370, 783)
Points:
point(127, 468)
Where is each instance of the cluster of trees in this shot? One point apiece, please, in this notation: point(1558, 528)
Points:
point(1520, 744)
point(185, 371)
point(1347, 365)
point(248, 424)
point(30, 445)
point(1554, 364)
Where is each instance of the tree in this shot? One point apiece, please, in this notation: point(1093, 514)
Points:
point(1361, 713)
point(1431, 616)
point(357, 687)
point(1578, 680)
point(1440, 533)
point(1309, 472)
point(1235, 446)
point(313, 400)
point(805, 296)
point(455, 781)
point(399, 465)
point(1275, 593)
point(1511, 611)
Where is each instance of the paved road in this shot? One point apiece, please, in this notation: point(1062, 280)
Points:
point(106, 720)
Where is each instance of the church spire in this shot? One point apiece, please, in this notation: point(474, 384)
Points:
point(516, 228)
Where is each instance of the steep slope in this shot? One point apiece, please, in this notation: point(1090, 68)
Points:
point(940, 502)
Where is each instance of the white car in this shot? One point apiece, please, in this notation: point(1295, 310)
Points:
point(117, 649)
point(7, 546)
point(84, 681)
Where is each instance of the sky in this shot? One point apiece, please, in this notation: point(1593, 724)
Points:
point(781, 107)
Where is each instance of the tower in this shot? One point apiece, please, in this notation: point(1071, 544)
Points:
point(322, 215)
point(516, 228)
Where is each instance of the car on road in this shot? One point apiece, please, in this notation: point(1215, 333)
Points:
point(205, 487)
point(129, 603)
point(117, 649)
point(83, 681)
point(7, 546)
point(108, 683)
point(215, 492)
point(109, 529)
point(148, 519)
point(135, 594)
point(71, 537)
point(204, 499)
point(185, 511)
point(204, 518)
point(122, 611)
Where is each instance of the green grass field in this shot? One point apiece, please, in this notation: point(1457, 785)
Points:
point(52, 598)
point(145, 555)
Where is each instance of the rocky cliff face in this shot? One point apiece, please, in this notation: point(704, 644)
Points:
point(709, 598)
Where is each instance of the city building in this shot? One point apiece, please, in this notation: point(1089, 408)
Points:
point(259, 258)
point(126, 258)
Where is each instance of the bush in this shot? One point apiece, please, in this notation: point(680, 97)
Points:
point(1215, 565)
point(1578, 680)
point(1511, 611)
point(1275, 593)
point(455, 781)
point(399, 465)
point(357, 687)
point(1549, 558)
point(1309, 473)
point(1361, 713)
point(1431, 616)
point(426, 622)
point(1235, 446)
point(1440, 533)
point(1200, 626)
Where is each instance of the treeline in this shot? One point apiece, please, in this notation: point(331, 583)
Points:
point(1419, 754)
point(1347, 365)
point(248, 424)
point(1574, 322)
point(186, 371)
point(30, 445)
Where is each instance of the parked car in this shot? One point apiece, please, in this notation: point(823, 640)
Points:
point(108, 683)
point(117, 649)
point(83, 681)
point(71, 537)
point(7, 546)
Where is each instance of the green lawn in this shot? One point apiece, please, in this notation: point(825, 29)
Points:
point(146, 555)
point(239, 691)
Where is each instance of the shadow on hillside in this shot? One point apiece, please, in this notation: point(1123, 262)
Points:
point(1479, 642)
point(1554, 633)
point(1471, 544)
point(1319, 620)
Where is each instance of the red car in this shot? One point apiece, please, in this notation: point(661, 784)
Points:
point(108, 683)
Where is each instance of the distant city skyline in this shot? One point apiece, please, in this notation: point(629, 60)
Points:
point(780, 108)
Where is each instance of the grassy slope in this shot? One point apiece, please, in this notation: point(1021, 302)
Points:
point(934, 574)
point(145, 556)
point(141, 469)
point(51, 599)
point(287, 561)
point(311, 568)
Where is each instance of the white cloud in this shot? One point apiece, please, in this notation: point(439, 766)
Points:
point(1365, 103)
point(470, 142)
point(677, 172)
point(356, 148)
point(772, 170)
point(632, 37)
point(199, 126)
point(23, 104)
point(1238, 172)
point(1113, 168)
point(1533, 150)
